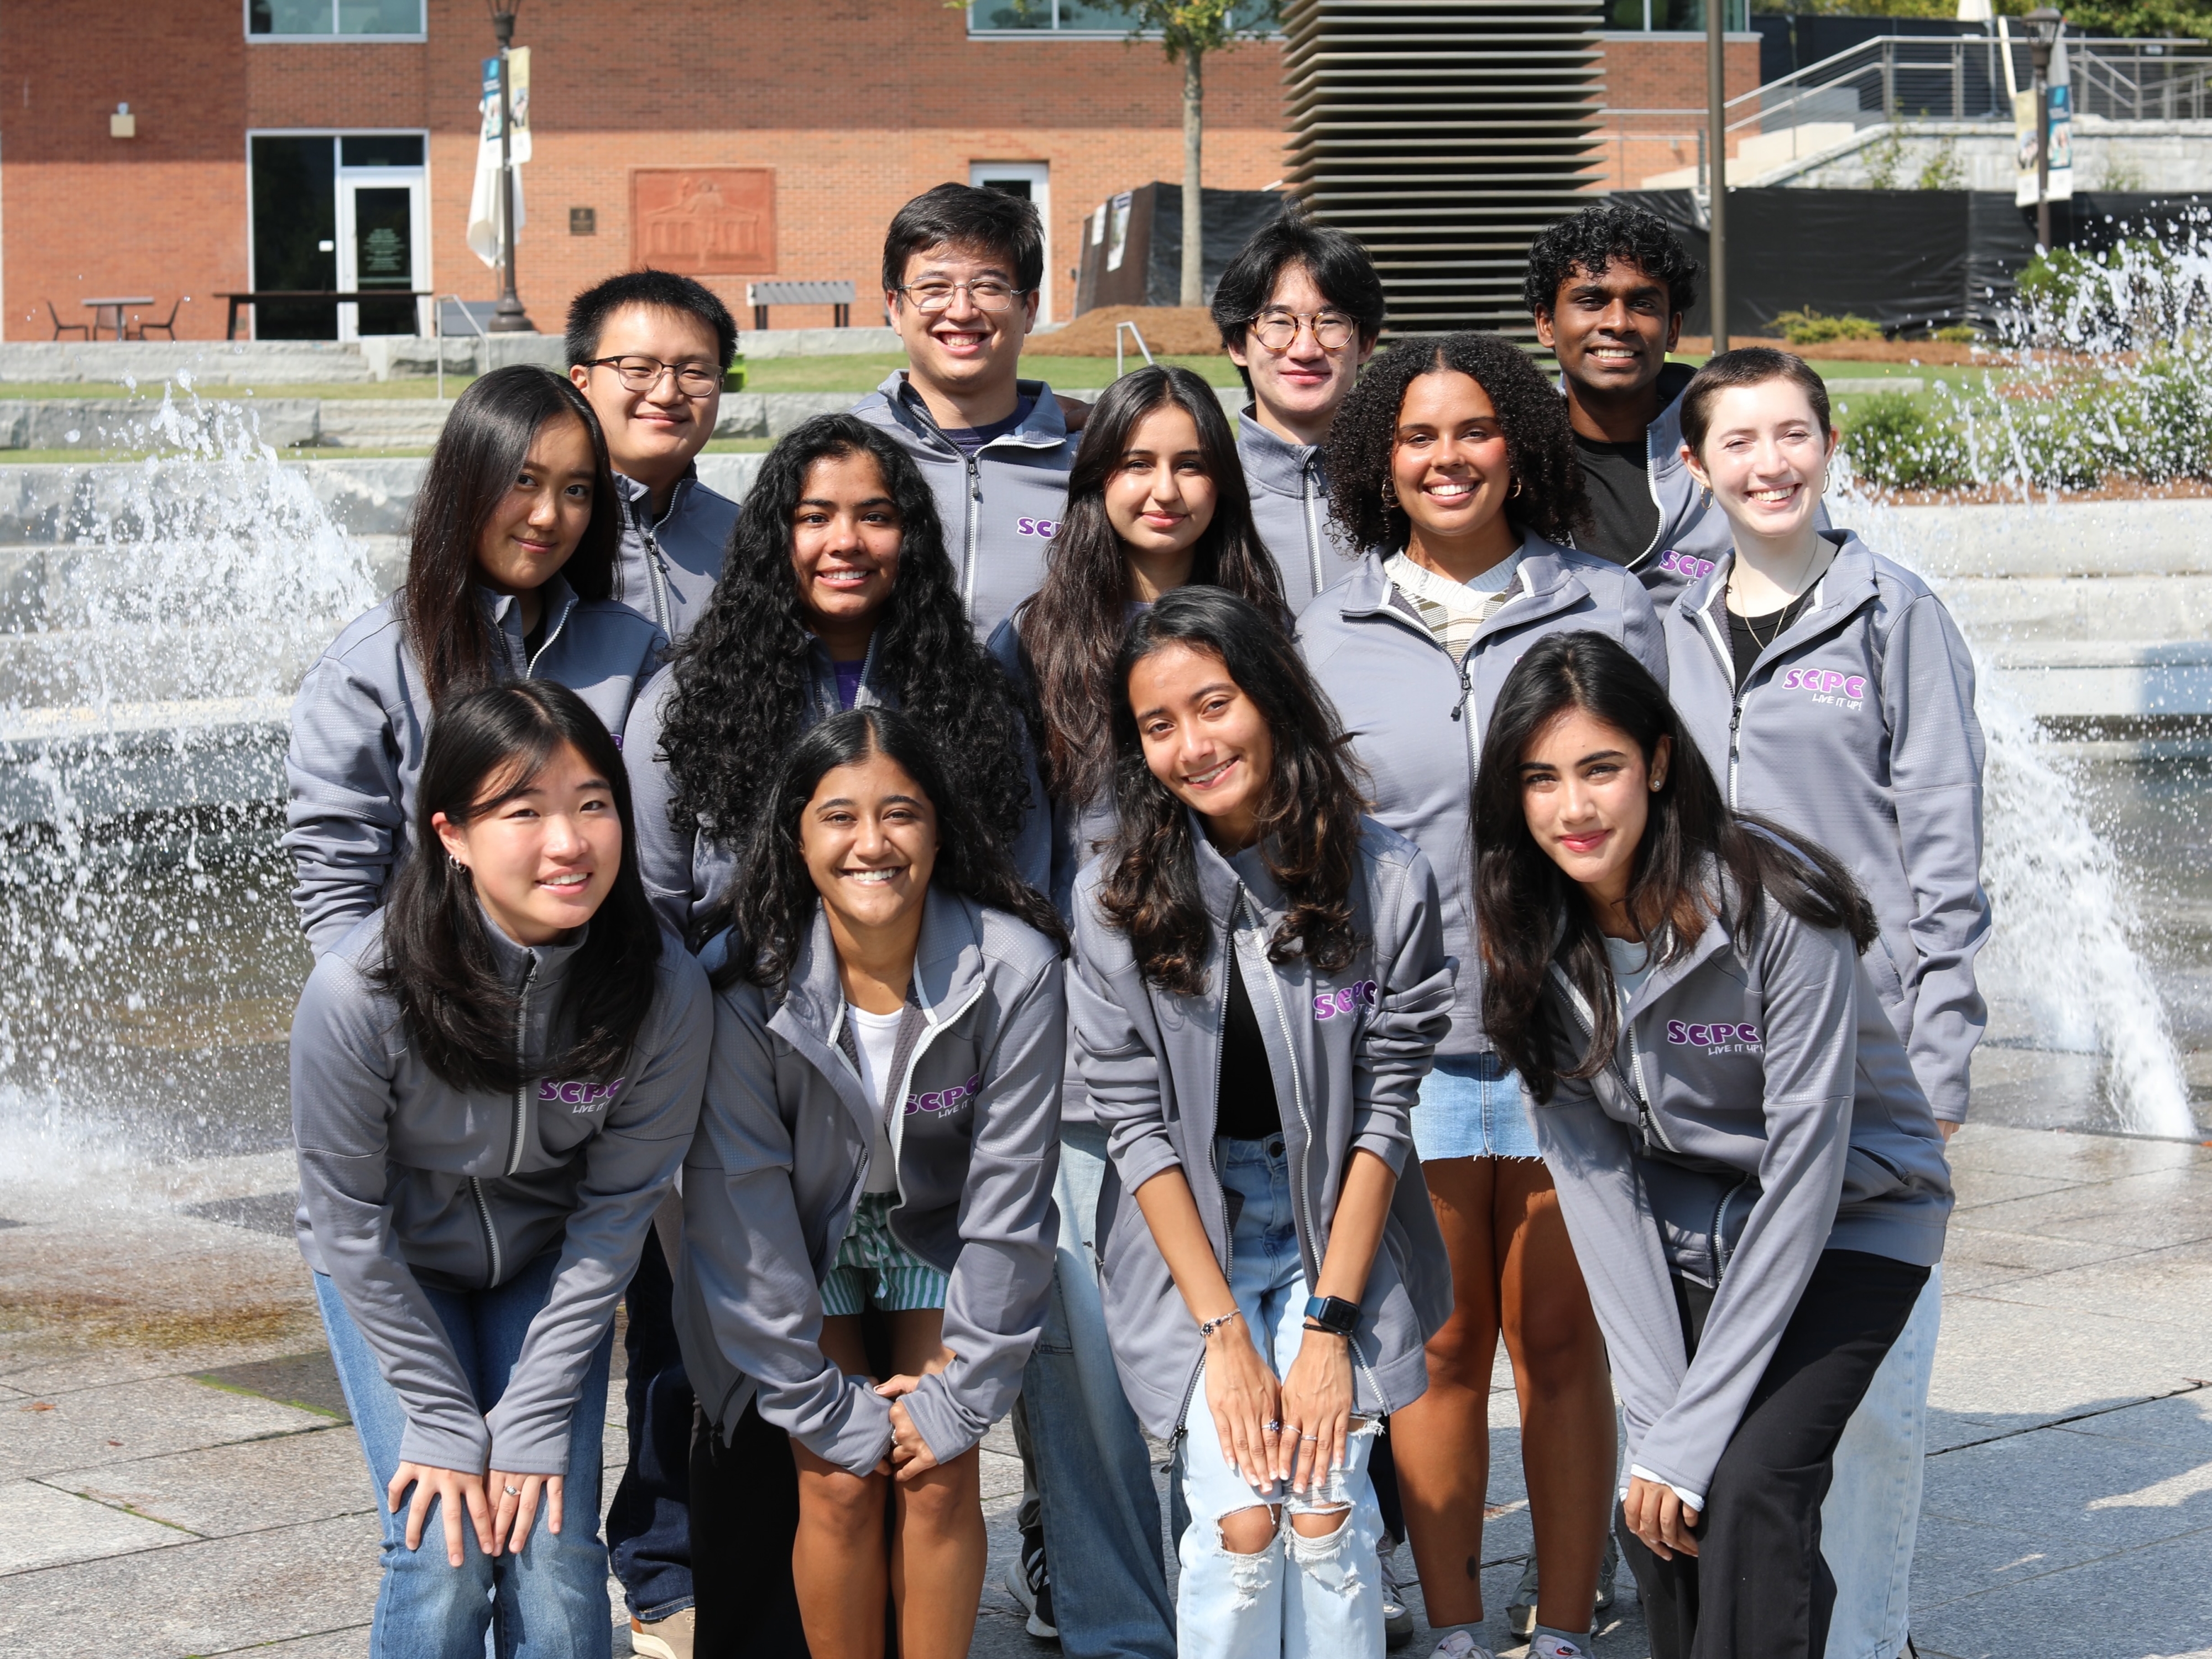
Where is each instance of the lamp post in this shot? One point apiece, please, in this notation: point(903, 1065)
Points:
point(1717, 163)
point(508, 317)
point(2046, 23)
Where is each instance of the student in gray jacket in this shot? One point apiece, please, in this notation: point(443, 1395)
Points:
point(1830, 690)
point(1452, 462)
point(493, 1079)
point(1753, 1179)
point(511, 561)
point(649, 348)
point(838, 595)
point(1299, 309)
point(878, 1131)
point(1260, 980)
point(964, 268)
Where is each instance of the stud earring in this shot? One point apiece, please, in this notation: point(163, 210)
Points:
point(1516, 491)
point(1706, 498)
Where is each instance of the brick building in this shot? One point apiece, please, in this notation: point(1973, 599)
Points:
point(300, 143)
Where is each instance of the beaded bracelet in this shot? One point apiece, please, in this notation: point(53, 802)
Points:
point(1207, 1327)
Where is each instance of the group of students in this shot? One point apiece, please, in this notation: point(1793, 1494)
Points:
point(1157, 931)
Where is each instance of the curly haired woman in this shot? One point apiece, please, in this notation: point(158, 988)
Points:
point(1453, 464)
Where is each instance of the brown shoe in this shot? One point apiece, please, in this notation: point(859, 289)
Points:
point(663, 1638)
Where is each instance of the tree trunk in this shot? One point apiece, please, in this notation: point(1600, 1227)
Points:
point(1193, 200)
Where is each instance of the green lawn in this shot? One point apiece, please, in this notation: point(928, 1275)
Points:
point(213, 391)
point(866, 372)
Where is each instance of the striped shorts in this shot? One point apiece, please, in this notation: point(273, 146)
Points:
point(872, 1265)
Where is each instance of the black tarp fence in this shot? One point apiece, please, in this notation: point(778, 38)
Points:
point(1908, 259)
point(1150, 270)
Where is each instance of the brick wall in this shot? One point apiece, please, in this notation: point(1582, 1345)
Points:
point(1662, 72)
point(856, 104)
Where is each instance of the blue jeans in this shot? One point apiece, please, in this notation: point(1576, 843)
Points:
point(1472, 1106)
point(549, 1602)
point(1301, 1597)
point(1870, 1520)
point(649, 1522)
point(1101, 1516)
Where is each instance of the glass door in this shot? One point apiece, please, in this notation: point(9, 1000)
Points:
point(383, 243)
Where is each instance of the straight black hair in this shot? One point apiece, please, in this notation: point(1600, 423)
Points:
point(1746, 365)
point(1338, 264)
point(1593, 239)
point(771, 903)
point(742, 684)
point(487, 747)
point(1071, 627)
point(478, 456)
point(969, 216)
point(661, 291)
point(1308, 820)
point(1529, 914)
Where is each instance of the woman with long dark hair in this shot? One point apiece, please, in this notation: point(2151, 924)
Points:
point(889, 1027)
point(493, 1083)
point(510, 562)
point(1156, 502)
point(836, 593)
point(1805, 655)
point(1453, 464)
point(1260, 980)
point(1749, 1168)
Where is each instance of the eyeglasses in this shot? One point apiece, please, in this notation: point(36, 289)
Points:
point(985, 293)
point(1278, 329)
point(693, 379)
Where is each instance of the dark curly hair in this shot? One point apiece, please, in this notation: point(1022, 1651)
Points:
point(1539, 442)
point(742, 679)
point(1592, 239)
point(1309, 821)
point(1071, 626)
point(771, 903)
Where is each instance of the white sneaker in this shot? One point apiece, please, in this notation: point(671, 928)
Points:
point(1460, 1645)
point(1397, 1617)
point(1547, 1646)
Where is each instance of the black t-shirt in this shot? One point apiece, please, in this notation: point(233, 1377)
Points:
point(1618, 479)
point(1247, 1108)
point(533, 641)
point(1750, 635)
point(969, 439)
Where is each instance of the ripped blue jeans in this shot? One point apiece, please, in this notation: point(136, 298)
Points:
point(1300, 1597)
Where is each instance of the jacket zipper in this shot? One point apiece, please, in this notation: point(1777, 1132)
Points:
point(1720, 1220)
point(975, 464)
point(1313, 524)
point(1735, 707)
point(530, 664)
point(522, 1123)
point(491, 1237)
point(1589, 1023)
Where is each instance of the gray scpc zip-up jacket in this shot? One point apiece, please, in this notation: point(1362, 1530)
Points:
point(668, 567)
point(1288, 485)
point(1417, 719)
point(1001, 509)
point(1347, 1051)
point(1857, 728)
point(361, 724)
point(685, 869)
point(781, 1158)
point(406, 1181)
point(1757, 1110)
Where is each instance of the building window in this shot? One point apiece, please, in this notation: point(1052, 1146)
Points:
point(320, 20)
point(1093, 17)
point(1676, 16)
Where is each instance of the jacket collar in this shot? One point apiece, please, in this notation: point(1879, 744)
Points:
point(1272, 462)
point(1043, 428)
point(1710, 942)
point(1548, 584)
point(1845, 586)
point(948, 974)
point(504, 612)
point(822, 673)
point(637, 498)
point(543, 965)
point(1662, 438)
point(1221, 874)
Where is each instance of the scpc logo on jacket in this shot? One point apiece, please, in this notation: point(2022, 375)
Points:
point(1685, 564)
point(1827, 685)
point(1327, 1004)
point(941, 1100)
point(1719, 1038)
point(1047, 528)
point(577, 1096)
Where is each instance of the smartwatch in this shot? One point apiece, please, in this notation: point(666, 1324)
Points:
point(1334, 1314)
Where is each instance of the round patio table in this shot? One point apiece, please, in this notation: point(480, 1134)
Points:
point(109, 311)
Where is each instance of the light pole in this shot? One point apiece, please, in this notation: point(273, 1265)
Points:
point(508, 317)
point(2046, 23)
point(1717, 162)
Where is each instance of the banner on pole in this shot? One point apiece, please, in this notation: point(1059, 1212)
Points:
point(484, 238)
point(2060, 137)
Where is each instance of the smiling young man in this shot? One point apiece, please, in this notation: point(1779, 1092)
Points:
point(961, 274)
point(649, 350)
point(1299, 309)
point(1608, 289)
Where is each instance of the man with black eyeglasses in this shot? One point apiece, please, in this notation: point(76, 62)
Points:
point(649, 350)
point(961, 274)
point(1299, 309)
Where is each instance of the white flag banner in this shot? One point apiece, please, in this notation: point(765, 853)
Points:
point(484, 238)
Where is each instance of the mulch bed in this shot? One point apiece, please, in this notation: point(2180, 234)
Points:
point(1169, 330)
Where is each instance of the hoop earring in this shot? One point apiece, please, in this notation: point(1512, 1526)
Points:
point(1390, 492)
point(1705, 500)
point(459, 868)
point(1516, 491)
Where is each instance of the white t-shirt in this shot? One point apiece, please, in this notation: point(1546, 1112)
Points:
point(1631, 962)
point(876, 1035)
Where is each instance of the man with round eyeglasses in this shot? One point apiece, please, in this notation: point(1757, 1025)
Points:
point(648, 348)
point(1299, 309)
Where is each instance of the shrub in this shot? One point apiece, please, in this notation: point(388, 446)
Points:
point(1896, 441)
point(1809, 327)
point(1959, 334)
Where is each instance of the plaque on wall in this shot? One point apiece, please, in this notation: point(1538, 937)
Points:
point(701, 221)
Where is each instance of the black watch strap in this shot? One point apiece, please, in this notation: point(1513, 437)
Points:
point(1333, 1313)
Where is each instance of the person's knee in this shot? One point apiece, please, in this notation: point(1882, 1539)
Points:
point(946, 1497)
point(1250, 1531)
point(1557, 1346)
point(849, 1505)
point(1321, 1523)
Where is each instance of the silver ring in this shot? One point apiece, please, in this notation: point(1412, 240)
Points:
point(1308, 1437)
point(511, 1492)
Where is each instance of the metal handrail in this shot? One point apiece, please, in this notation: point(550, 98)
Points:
point(1134, 335)
point(438, 332)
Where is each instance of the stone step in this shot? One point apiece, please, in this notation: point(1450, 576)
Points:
point(2140, 538)
point(1997, 611)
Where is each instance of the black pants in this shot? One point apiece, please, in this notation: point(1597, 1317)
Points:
point(1757, 1588)
point(648, 1532)
point(744, 1514)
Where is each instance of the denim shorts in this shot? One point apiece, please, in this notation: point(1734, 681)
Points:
point(1471, 1106)
point(872, 1265)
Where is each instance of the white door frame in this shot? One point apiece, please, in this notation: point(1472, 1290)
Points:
point(415, 181)
point(1038, 176)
